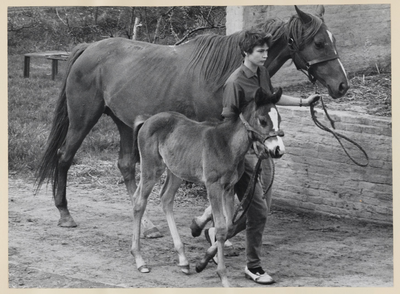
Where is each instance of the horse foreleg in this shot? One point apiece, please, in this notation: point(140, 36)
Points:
point(167, 194)
point(127, 163)
point(222, 202)
point(222, 207)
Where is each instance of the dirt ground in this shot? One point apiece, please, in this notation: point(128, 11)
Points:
point(299, 249)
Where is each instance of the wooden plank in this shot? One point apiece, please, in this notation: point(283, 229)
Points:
point(53, 55)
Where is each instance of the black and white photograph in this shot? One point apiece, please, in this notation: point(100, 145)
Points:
point(230, 146)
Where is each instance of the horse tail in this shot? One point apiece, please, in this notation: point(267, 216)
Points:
point(48, 165)
point(139, 121)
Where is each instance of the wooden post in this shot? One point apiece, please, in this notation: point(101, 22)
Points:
point(54, 68)
point(27, 64)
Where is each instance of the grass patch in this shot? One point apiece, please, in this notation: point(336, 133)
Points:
point(31, 103)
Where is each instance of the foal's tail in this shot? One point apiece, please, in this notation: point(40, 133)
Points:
point(48, 165)
point(139, 121)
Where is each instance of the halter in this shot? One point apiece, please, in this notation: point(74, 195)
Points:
point(248, 195)
point(260, 137)
point(295, 51)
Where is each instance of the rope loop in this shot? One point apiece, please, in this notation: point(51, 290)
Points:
point(335, 134)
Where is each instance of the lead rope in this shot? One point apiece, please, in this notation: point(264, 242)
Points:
point(335, 134)
point(251, 187)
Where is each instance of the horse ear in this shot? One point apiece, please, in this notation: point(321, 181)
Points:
point(259, 97)
point(320, 10)
point(305, 18)
point(276, 96)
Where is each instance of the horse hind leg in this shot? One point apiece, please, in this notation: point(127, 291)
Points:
point(66, 153)
point(127, 163)
point(167, 194)
point(146, 184)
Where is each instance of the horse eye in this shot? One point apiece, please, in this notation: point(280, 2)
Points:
point(319, 45)
point(263, 122)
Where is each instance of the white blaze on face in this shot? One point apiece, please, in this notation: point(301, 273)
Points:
point(331, 38)
point(271, 144)
point(341, 65)
point(273, 114)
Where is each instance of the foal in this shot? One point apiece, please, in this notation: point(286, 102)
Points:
point(208, 153)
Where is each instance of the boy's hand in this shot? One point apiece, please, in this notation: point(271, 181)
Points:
point(312, 99)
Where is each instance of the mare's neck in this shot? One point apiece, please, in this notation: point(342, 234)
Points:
point(278, 54)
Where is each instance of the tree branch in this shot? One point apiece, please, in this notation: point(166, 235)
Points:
point(59, 17)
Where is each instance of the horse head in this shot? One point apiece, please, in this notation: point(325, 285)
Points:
point(264, 122)
point(313, 50)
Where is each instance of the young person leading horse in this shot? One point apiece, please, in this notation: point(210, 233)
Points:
point(237, 91)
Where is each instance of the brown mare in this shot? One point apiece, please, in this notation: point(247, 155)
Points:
point(125, 78)
point(212, 154)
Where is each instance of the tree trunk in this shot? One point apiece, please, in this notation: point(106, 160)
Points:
point(157, 31)
point(135, 27)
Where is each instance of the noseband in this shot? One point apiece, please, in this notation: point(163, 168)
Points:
point(260, 137)
point(295, 51)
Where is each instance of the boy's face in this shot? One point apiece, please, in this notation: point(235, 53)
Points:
point(259, 55)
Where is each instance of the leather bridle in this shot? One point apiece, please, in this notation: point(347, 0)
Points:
point(295, 52)
point(260, 137)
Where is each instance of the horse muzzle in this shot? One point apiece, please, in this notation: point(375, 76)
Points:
point(276, 153)
point(273, 144)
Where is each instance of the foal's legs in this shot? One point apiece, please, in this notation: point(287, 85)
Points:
point(167, 194)
point(198, 223)
point(126, 164)
point(148, 179)
point(222, 203)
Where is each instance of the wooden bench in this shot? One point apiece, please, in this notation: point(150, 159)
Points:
point(54, 56)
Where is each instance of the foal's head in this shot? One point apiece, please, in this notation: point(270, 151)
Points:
point(264, 121)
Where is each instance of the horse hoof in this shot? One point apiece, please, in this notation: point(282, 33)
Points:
point(67, 223)
point(196, 230)
point(200, 267)
point(185, 269)
point(152, 233)
point(143, 269)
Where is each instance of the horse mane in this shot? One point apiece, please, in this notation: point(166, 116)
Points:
point(294, 28)
point(215, 56)
point(274, 26)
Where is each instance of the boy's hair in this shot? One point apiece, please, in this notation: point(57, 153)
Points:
point(253, 39)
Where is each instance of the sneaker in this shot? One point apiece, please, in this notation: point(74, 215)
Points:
point(258, 275)
point(228, 244)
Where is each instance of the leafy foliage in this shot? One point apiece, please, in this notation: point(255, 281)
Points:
point(60, 28)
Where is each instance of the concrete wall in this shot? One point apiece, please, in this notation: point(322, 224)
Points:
point(362, 32)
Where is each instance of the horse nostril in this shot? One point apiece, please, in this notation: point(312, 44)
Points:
point(343, 87)
point(277, 152)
